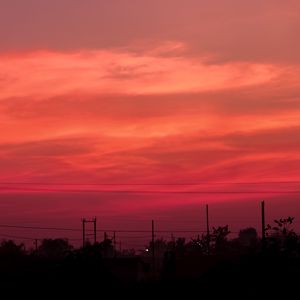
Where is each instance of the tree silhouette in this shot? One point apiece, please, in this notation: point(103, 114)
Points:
point(282, 236)
point(8, 248)
point(199, 245)
point(106, 248)
point(248, 237)
point(54, 248)
point(219, 238)
point(160, 247)
point(178, 247)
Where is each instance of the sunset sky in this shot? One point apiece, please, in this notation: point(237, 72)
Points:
point(148, 92)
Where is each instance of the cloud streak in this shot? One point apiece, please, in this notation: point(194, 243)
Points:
point(44, 74)
point(114, 114)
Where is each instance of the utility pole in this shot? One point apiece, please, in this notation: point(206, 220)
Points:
point(263, 225)
point(207, 230)
point(84, 221)
point(153, 246)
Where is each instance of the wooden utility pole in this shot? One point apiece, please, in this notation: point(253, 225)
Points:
point(207, 230)
point(84, 221)
point(263, 225)
point(153, 246)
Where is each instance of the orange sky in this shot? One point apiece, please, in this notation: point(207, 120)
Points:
point(146, 92)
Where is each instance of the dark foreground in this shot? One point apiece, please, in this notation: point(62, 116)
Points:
point(245, 277)
point(208, 267)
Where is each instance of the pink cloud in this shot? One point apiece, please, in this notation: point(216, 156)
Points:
point(44, 73)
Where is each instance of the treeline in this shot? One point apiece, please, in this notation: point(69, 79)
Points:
point(208, 261)
point(280, 238)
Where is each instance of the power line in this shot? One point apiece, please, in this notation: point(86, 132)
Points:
point(17, 237)
point(152, 192)
point(105, 230)
point(149, 184)
point(98, 230)
point(38, 227)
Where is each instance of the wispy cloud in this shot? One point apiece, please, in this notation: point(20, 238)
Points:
point(114, 114)
point(44, 73)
